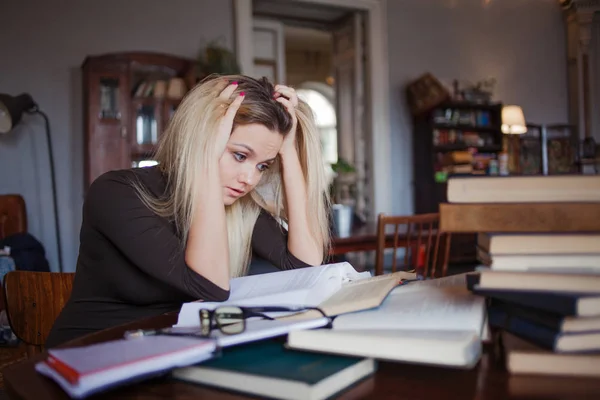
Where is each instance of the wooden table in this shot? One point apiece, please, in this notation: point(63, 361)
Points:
point(488, 380)
point(363, 238)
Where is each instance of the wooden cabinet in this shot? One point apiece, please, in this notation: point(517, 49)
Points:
point(128, 99)
point(441, 138)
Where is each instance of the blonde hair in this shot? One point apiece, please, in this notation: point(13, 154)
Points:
point(187, 143)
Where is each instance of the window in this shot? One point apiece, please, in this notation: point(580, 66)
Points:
point(325, 118)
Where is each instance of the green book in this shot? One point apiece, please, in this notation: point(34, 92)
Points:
point(269, 369)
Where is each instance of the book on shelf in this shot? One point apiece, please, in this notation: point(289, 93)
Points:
point(435, 322)
point(82, 371)
point(335, 288)
point(268, 369)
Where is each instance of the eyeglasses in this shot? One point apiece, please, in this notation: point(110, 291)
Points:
point(231, 320)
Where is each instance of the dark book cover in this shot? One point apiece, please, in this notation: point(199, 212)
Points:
point(272, 359)
point(564, 304)
point(540, 335)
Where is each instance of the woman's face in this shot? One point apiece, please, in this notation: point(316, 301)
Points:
point(250, 151)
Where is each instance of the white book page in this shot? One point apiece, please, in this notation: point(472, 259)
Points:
point(421, 307)
point(300, 287)
point(280, 282)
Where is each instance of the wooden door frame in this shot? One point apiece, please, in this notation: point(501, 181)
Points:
point(377, 93)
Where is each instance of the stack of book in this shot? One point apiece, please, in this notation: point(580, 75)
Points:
point(539, 246)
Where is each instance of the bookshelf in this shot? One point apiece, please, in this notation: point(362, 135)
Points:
point(128, 100)
point(454, 138)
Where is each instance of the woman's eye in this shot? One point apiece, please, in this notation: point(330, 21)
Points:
point(263, 167)
point(239, 156)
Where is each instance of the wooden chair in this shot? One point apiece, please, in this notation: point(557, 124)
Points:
point(421, 238)
point(33, 301)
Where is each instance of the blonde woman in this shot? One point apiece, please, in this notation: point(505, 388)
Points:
point(240, 160)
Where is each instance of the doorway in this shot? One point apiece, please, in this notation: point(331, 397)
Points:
point(377, 90)
point(320, 51)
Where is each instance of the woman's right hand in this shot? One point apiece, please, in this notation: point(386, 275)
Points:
point(226, 123)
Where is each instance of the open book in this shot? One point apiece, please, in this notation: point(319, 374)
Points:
point(335, 288)
point(433, 321)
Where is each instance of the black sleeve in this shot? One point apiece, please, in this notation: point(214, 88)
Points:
point(147, 240)
point(269, 241)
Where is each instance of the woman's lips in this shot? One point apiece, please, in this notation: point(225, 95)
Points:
point(235, 192)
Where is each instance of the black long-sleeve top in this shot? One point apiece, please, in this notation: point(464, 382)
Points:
point(131, 263)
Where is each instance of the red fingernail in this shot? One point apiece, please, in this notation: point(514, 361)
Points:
point(234, 83)
point(242, 93)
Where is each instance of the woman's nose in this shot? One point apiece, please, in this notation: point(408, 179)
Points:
point(247, 176)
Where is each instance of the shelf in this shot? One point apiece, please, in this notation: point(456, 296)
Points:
point(467, 128)
point(465, 105)
point(458, 147)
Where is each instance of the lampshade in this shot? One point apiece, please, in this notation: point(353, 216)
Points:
point(12, 108)
point(513, 120)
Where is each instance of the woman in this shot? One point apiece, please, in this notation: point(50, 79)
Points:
point(239, 156)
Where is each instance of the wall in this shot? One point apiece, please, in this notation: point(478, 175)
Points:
point(519, 42)
point(48, 42)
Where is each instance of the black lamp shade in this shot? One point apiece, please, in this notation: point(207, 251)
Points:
point(12, 108)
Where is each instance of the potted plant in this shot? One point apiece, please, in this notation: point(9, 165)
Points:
point(215, 58)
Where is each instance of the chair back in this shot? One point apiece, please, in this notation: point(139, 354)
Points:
point(13, 215)
point(33, 302)
point(425, 247)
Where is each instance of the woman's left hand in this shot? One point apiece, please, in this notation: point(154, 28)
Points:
point(288, 97)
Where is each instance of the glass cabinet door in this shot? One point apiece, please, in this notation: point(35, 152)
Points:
point(146, 125)
point(109, 98)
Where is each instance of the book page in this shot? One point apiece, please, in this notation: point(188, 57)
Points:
point(284, 281)
point(432, 308)
point(357, 295)
point(300, 287)
point(363, 294)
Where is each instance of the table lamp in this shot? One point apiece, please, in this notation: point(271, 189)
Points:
point(12, 109)
point(513, 124)
point(513, 120)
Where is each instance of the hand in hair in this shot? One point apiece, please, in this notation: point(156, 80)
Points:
point(288, 97)
point(226, 123)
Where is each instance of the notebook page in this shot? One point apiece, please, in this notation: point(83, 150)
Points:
point(426, 308)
